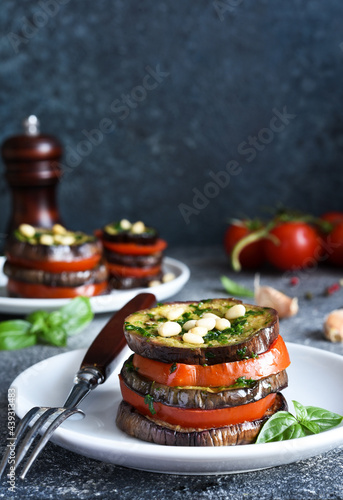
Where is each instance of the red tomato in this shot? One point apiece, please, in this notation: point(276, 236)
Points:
point(268, 363)
point(334, 245)
point(198, 419)
point(252, 256)
point(57, 266)
point(37, 291)
point(333, 218)
point(132, 272)
point(135, 249)
point(298, 247)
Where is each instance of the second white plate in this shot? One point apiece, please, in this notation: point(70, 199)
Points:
point(314, 379)
point(102, 303)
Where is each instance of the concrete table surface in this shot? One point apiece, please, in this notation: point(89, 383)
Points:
point(59, 473)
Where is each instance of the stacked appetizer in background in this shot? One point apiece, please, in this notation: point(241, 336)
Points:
point(133, 254)
point(53, 263)
point(203, 373)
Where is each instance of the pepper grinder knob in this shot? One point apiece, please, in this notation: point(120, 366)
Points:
point(31, 125)
point(33, 170)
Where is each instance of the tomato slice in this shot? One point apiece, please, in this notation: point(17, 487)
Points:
point(56, 266)
point(134, 249)
point(270, 362)
point(198, 419)
point(135, 272)
point(38, 291)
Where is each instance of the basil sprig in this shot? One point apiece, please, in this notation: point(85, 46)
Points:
point(307, 420)
point(233, 288)
point(48, 328)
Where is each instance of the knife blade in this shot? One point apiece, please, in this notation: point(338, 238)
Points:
point(111, 340)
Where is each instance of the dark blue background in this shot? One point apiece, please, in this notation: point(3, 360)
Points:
point(226, 64)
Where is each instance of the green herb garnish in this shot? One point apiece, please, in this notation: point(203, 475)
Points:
point(149, 400)
point(173, 368)
point(307, 420)
point(241, 352)
point(42, 327)
point(130, 366)
point(243, 382)
point(142, 331)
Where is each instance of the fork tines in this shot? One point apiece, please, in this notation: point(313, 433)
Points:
point(44, 421)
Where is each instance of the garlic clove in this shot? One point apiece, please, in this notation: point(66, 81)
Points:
point(266, 296)
point(333, 326)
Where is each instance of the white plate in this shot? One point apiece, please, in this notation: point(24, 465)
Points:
point(101, 304)
point(315, 378)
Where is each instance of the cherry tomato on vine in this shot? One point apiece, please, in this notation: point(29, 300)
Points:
point(252, 256)
point(333, 218)
point(298, 247)
point(334, 244)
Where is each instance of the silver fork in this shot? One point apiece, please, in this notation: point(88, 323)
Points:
point(95, 368)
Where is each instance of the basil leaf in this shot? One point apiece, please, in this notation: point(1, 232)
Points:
point(14, 327)
point(280, 427)
point(309, 420)
point(38, 321)
point(316, 419)
point(52, 328)
point(15, 334)
point(76, 315)
point(56, 336)
point(14, 342)
point(233, 288)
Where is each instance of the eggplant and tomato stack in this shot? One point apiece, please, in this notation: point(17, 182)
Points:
point(133, 254)
point(53, 263)
point(202, 373)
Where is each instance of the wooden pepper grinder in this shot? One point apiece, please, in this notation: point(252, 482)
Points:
point(33, 171)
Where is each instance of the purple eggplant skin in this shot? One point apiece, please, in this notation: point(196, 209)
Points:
point(67, 253)
point(148, 238)
point(70, 279)
point(163, 350)
point(202, 397)
point(145, 261)
point(136, 425)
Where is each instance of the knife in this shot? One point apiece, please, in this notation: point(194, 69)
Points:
point(98, 362)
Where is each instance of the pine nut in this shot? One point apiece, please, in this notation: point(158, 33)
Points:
point(198, 330)
point(174, 313)
point(27, 230)
point(222, 324)
point(189, 324)
point(210, 315)
point(58, 229)
point(125, 224)
point(169, 329)
point(46, 239)
point(154, 283)
point(208, 323)
point(235, 312)
point(168, 277)
point(68, 239)
point(138, 227)
point(192, 338)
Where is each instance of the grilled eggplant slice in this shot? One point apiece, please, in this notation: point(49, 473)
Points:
point(146, 429)
point(248, 336)
point(116, 234)
point(84, 247)
point(151, 260)
point(37, 276)
point(206, 398)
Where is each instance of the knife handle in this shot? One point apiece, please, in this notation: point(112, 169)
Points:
point(111, 340)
